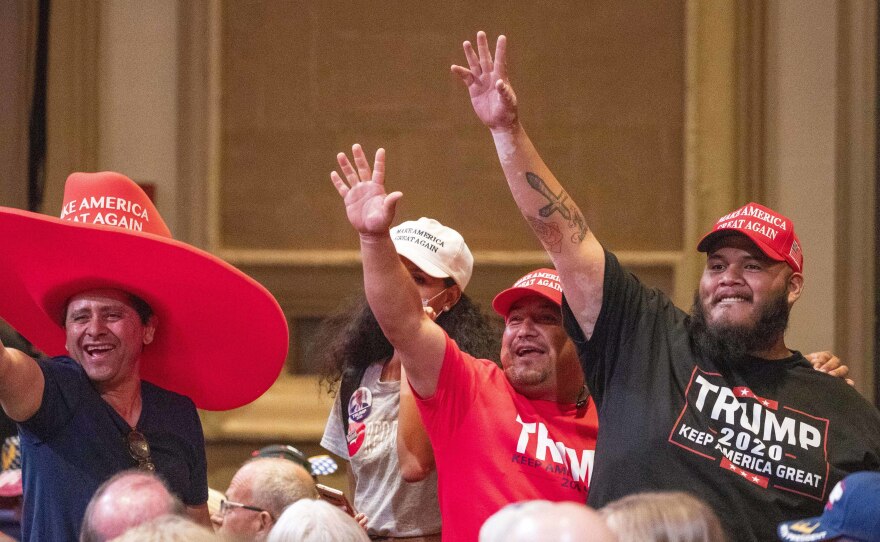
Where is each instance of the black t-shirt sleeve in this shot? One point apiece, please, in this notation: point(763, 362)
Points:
point(630, 313)
point(598, 353)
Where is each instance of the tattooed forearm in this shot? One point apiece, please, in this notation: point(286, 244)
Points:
point(548, 233)
point(578, 222)
point(556, 203)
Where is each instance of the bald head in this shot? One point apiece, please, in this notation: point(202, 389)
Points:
point(545, 520)
point(269, 484)
point(127, 499)
point(277, 483)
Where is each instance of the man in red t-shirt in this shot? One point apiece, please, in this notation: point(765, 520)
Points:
point(524, 431)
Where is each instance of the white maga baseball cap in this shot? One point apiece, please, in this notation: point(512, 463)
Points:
point(436, 249)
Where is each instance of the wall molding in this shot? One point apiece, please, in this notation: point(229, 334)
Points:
point(855, 339)
point(723, 146)
point(73, 97)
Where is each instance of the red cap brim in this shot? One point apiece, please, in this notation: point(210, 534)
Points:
point(504, 300)
point(706, 242)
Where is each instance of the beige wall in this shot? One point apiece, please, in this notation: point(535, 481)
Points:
point(820, 106)
point(138, 96)
point(302, 81)
point(802, 100)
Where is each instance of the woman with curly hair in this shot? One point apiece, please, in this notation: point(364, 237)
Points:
point(374, 422)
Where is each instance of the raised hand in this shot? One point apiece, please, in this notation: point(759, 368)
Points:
point(369, 209)
point(486, 80)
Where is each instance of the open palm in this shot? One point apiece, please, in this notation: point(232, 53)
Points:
point(491, 95)
point(368, 207)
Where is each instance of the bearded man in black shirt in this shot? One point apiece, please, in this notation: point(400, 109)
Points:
point(712, 403)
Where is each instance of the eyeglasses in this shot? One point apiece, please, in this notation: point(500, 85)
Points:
point(139, 449)
point(226, 506)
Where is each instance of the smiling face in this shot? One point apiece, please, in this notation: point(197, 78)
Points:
point(106, 336)
point(537, 356)
point(741, 286)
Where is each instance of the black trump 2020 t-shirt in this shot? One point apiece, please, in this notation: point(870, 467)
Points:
point(760, 441)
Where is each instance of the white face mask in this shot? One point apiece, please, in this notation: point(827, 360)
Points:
point(427, 302)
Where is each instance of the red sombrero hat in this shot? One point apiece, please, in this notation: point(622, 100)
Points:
point(221, 337)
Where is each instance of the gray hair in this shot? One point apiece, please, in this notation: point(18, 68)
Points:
point(669, 516)
point(310, 520)
point(277, 483)
point(168, 529)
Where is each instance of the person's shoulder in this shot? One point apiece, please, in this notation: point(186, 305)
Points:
point(152, 392)
point(823, 386)
point(491, 378)
point(618, 276)
point(797, 364)
point(60, 365)
point(59, 361)
point(485, 367)
point(453, 350)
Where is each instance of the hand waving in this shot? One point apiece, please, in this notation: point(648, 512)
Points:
point(491, 94)
point(370, 210)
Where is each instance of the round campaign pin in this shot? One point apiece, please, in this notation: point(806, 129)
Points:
point(355, 437)
point(360, 404)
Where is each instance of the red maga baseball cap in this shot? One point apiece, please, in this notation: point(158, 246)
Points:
point(542, 282)
point(771, 231)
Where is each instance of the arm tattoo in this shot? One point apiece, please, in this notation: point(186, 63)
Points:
point(577, 221)
point(556, 203)
point(548, 233)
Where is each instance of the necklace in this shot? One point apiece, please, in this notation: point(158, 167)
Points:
point(583, 396)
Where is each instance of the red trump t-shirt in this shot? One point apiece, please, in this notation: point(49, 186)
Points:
point(494, 446)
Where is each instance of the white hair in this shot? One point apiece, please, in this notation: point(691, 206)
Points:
point(545, 520)
point(168, 529)
point(310, 520)
point(670, 516)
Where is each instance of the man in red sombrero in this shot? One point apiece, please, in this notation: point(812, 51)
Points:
point(145, 329)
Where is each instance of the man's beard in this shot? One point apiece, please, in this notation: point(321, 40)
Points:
point(522, 376)
point(731, 342)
